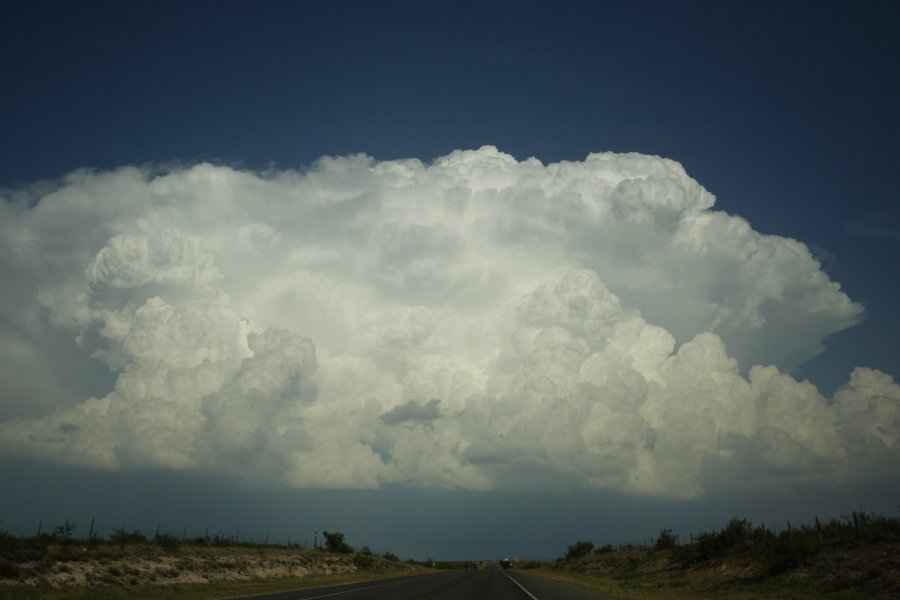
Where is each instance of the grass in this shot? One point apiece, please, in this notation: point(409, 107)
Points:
point(851, 558)
point(57, 566)
point(686, 588)
point(206, 591)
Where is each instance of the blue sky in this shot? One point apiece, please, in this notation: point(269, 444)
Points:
point(785, 112)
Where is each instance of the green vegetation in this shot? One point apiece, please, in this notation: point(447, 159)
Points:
point(334, 542)
point(579, 549)
point(791, 548)
point(857, 556)
point(128, 564)
point(665, 541)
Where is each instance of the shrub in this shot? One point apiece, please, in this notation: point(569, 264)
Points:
point(9, 542)
point(9, 569)
point(789, 550)
point(334, 542)
point(121, 537)
point(61, 554)
point(167, 541)
point(363, 561)
point(666, 540)
point(579, 549)
point(735, 534)
point(63, 533)
point(390, 556)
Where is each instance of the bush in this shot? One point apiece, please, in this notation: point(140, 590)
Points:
point(9, 542)
point(736, 533)
point(604, 549)
point(666, 540)
point(122, 538)
point(8, 569)
point(167, 541)
point(579, 549)
point(334, 542)
point(788, 551)
point(63, 533)
point(390, 556)
point(364, 561)
point(735, 536)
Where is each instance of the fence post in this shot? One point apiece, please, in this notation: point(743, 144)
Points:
point(40, 523)
point(91, 532)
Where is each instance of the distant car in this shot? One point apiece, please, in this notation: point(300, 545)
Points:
point(506, 564)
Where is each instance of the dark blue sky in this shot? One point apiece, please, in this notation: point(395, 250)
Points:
point(786, 111)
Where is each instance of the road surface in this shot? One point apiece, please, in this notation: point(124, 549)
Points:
point(487, 584)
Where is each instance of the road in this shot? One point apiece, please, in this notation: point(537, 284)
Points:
point(487, 584)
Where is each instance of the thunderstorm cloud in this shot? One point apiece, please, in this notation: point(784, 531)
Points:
point(476, 322)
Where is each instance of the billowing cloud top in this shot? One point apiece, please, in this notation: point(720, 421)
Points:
point(477, 322)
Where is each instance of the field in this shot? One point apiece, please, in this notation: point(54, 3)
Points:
point(855, 557)
point(52, 569)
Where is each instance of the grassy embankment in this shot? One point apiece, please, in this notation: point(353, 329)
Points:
point(856, 557)
point(56, 567)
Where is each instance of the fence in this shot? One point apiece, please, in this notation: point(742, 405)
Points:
point(857, 526)
point(89, 531)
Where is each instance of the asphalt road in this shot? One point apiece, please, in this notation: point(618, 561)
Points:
point(487, 584)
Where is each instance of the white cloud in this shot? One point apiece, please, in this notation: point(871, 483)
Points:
point(478, 323)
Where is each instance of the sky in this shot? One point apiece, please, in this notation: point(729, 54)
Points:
point(463, 281)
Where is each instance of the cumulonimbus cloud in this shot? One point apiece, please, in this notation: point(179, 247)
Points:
point(477, 322)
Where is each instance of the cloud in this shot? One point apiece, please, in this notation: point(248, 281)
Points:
point(477, 323)
point(873, 231)
point(413, 411)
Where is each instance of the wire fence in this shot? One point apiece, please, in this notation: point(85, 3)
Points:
point(92, 530)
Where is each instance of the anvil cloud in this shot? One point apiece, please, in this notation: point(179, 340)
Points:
point(476, 322)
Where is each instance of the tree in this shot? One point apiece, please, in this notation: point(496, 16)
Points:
point(334, 542)
point(579, 549)
point(666, 540)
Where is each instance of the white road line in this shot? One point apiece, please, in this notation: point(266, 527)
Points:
point(521, 587)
